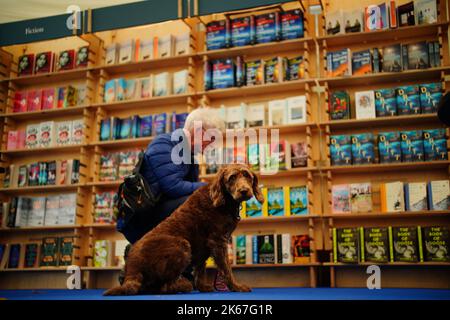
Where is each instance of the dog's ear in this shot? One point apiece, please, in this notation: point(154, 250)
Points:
point(216, 190)
point(256, 190)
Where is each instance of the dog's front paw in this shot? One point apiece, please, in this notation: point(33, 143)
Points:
point(240, 288)
point(205, 288)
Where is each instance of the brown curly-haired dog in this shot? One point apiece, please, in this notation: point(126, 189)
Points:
point(198, 229)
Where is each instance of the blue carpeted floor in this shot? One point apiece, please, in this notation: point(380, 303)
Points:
point(256, 294)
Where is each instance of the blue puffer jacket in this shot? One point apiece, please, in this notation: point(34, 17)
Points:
point(165, 177)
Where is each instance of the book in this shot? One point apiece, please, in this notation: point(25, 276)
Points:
point(339, 105)
point(254, 71)
point(77, 133)
point(436, 244)
point(20, 101)
point(108, 167)
point(44, 62)
point(275, 70)
point(295, 68)
point(339, 63)
point(23, 176)
point(392, 197)
point(22, 212)
point(166, 46)
point(32, 136)
point(284, 250)
point(145, 87)
point(102, 253)
point(67, 209)
point(275, 202)
point(49, 252)
point(277, 112)
point(292, 24)
point(435, 144)
point(405, 14)
point(180, 82)
point(48, 98)
point(160, 123)
point(240, 69)
point(365, 104)
point(301, 248)
point(13, 137)
point(34, 100)
point(131, 89)
point(235, 117)
point(110, 91)
point(340, 198)
point(405, 244)
point(256, 115)
point(125, 128)
point(12, 212)
point(389, 147)
point(37, 212)
point(65, 251)
point(266, 249)
point(385, 102)
point(438, 192)
point(25, 65)
point(182, 44)
point(66, 60)
point(51, 172)
point(353, 21)
point(280, 156)
point(47, 134)
point(412, 146)
point(376, 245)
point(218, 34)
point(296, 110)
point(242, 31)
point(334, 22)
point(340, 150)
point(127, 162)
point(162, 84)
point(120, 89)
point(14, 256)
point(408, 100)
point(111, 54)
point(253, 208)
point(363, 150)
point(296, 202)
point(362, 62)
point(61, 97)
point(51, 211)
point(105, 129)
point(393, 19)
point(63, 133)
point(146, 50)
point(392, 58)
point(346, 245)
point(253, 156)
point(208, 75)
point(145, 126)
point(31, 259)
point(126, 51)
point(372, 18)
point(82, 57)
point(376, 60)
point(119, 249)
point(425, 11)
point(267, 27)
point(75, 173)
point(299, 154)
point(361, 197)
point(416, 196)
point(418, 55)
point(430, 95)
point(240, 246)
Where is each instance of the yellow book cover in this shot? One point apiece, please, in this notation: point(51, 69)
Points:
point(287, 201)
point(265, 207)
point(210, 262)
point(242, 212)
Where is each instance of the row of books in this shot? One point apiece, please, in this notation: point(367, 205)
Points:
point(279, 201)
point(380, 17)
point(46, 62)
point(392, 58)
point(394, 197)
point(157, 85)
point(109, 253)
point(391, 244)
point(114, 128)
point(43, 173)
point(104, 204)
point(134, 50)
point(271, 249)
point(51, 252)
point(251, 29)
point(278, 112)
point(49, 98)
point(117, 165)
point(405, 146)
point(47, 134)
point(404, 100)
point(40, 211)
point(234, 72)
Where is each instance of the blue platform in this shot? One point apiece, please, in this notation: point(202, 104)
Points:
point(256, 294)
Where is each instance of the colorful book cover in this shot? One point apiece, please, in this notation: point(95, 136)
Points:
point(340, 198)
point(146, 87)
point(180, 82)
point(361, 62)
point(207, 75)
point(405, 244)
point(275, 202)
point(31, 255)
point(20, 101)
point(418, 56)
point(105, 129)
point(110, 91)
point(125, 128)
point(266, 249)
point(299, 154)
point(430, 95)
point(341, 64)
point(275, 70)
point(385, 102)
point(412, 146)
point(218, 34)
point(292, 24)
point(67, 209)
point(296, 68)
point(405, 14)
point(340, 150)
point(43, 62)
point(438, 192)
point(34, 100)
point(48, 98)
point(61, 101)
point(77, 131)
point(23, 176)
point(101, 253)
point(363, 151)
point(63, 133)
point(254, 72)
point(82, 57)
point(339, 105)
point(346, 245)
point(49, 252)
point(389, 147)
point(301, 251)
point(436, 244)
point(267, 27)
point(365, 104)
point(65, 251)
point(146, 126)
point(376, 245)
point(222, 73)
point(242, 31)
point(32, 136)
point(416, 196)
point(253, 156)
point(66, 60)
point(108, 167)
point(361, 197)
point(280, 155)
point(25, 65)
point(47, 134)
point(253, 208)
point(127, 162)
point(392, 197)
point(159, 123)
point(51, 172)
point(37, 212)
point(240, 249)
point(13, 137)
point(435, 144)
point(392, 58)
point(297, 203)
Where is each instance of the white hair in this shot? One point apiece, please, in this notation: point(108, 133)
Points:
point(209, 117)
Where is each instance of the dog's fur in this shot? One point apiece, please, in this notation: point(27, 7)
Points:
point(198, 229)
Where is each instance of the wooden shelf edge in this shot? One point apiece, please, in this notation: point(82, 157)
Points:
point(377, 167)
point(393, 264)
point(43, 228)
point(355, 123)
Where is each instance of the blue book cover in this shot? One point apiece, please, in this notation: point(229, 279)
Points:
point(392, 58)
point(434, 144)
point(255, 249)
point(115, 128)
point(275, 201)
point(296, 68)
point(110, 91)
point(361, 62)
point(178, 120)
point(385, 102)
point(121, 87)
point(418, 56)
point(340, 150)
point(430, 95)
point(253, 208)
point(340, 64)
point(412, 146)
point(14, 256)
point(254, 72)
point(125, 128)
point(146, 126)
point(363, 151)
point(292, 24)
point(389, 147)
point(223, 74)
point(105, 129)
point(408, 101)
point(242, 31)
point(267, 27)
point(218, 34)
point(159, 123)
point(135, 126)
point(298, 198)
point(207, 75)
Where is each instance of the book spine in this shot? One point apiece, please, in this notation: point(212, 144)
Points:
point(431, 54)
point(279, 245)
point(392, 14)
point(255, 249)
point(383, 197)
point(419, 239)
point(334, 245)
point(407, 206)
point(430, 196)
point(391, 245)
point(437, 54)
point(265, 207)
point(404, 50)
point(361, 244)
point(287, 201)
point(376, 60)
point(243, 210)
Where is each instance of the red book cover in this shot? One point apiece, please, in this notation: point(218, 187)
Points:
point(66, 60)
point(34, 100)
point(82, 57)
point(20, 101)
point(393, 14)
point(13, 137)
point(21, 139)
point(48, 98)
point(26, 65)
point(43, 62)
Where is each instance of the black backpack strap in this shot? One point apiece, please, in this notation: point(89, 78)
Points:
point(137, 168)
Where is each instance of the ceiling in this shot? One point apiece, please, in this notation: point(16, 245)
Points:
point(15, 10)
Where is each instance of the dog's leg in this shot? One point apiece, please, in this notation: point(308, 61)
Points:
point(220, 254)
point(201, 280)
point(180, 285)
point(131, 286)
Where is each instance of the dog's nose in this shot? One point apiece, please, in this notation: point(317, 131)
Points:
point(244, 192)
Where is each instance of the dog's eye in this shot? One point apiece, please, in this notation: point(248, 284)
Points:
point(232, 177)
point(246, 174)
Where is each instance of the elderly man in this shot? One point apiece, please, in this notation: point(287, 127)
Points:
point(172, 182)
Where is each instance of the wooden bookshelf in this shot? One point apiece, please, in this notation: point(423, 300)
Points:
point(39, 269)
point(40, 228)
point(388, 215)
point(123, 143)
point(47, 188)
point(389, 167)
point(45, 114)
point(274, 265)
point(52, 77)
point(389, 264)
point(280, 173)
point(260, 220)
point(28, 151)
